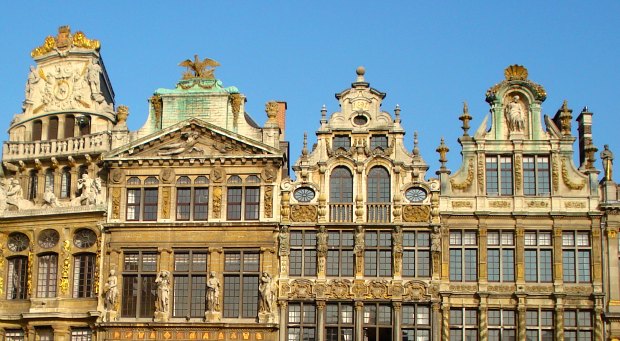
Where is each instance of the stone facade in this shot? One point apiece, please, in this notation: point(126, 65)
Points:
point(191, 228)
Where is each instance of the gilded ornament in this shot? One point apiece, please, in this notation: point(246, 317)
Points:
point(116, 203)
point(339, 288)
point(468, 181)
point(30, 265)
point(235, 103)
point(157, 108)
point(66, 266)
point(268, 197)
point(303, 213)
point(515, 72)
point(567, 181)
point(64, 41)
point(518, 172)
point(415, 291)
point(165, 202)
point(301, 289)
point(271, 108)
point(377, 289)
point(480, 174)
point(416, 213)
point(610, 234)
point(217, 201)
point(97, 262)
point(554, 173)
point(199, 68)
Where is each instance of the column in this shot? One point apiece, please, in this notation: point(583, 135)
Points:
point(483, 326)
point(320, 320)
point(45, 122)
point(521, 321)
point(482, 258)
point(559, 319)
point(61, 127)
point(283, 314)
point(75, 170)
point(558, 273)
point(445, 322)
point(359, 321)
point(397, 322)
point(519, 255)
point(599, 324)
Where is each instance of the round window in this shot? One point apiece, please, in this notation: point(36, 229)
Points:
point(415, 194)
point(304, 194)
point(18, 242)
point(48, 238)
point(84, 238)
point(360, 120)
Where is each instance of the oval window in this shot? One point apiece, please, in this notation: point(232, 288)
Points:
point(304, 194)
point(360, 120)
point(415, 194)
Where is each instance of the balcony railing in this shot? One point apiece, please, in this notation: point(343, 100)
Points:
point(378, 213)
point(341, 212)
point(75, 145)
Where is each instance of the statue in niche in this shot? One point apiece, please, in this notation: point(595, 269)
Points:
point(163, 291)
point(111, 291)
point(267, 294)
point(608, 162)
point(516, 114)
point(213, 293)
point(188, 145)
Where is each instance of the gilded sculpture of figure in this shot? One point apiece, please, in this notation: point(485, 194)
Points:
point(213, 293)
point(199, 68)
point(608, 162)
point(266, 293)
point(515, 114)
point(111, 291)
point(163, 291)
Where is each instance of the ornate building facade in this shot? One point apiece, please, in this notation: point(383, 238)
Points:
point(190, 228)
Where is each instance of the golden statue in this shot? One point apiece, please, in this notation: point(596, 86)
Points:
point(199, 69)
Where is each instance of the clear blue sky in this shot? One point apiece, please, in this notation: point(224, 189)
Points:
point(428, 57)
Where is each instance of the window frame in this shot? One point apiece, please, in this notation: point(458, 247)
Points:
point(536, 175)
point(376, 325)
point(341, 325)
point(578, 329)
point(499, 176)
point(503, 326)
point(192, 204)
point(247, 195)
point(414, 324)
point(460, 254)
point(303, 252)
point(382, 251)
point(196, 284)
point(47, 275)
point(132, 305)
point(499, 264)
point(19, 292)
point(341, 141)
point(463, 324)
point(412, 251)
point(84, 275)
point(147, 196)
point(537, 326)
point(245, 276)
point(576, 271)
point(307, 328)
point(542, 270)
point(342, 249)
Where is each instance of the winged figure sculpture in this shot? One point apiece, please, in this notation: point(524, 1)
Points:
point(199, 68)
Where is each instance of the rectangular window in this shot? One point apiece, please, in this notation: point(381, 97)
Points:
point(499, 179)
point(463, 256)
point(184, 196)
point(340, 256)
point(416, 254)
point(139, 288)
point(233, 200)
point(241, 271)
point(302, 260)
point(17, 278)
point(463, 324)
point(252, 202)
point(578, 325)
point(536, 175)
point(378, 254)
point(44, 333)
point(14, 335)
point(502, 325)
point(377, 321)
point(339, 322)
point(538, 257)
point(47, 275)
point(133, 203)
point(576, 256)
point(501, 256)
point(342, 141)
point(150, 204)
point(416, 322)
point(190, 274)
point(539, 325)
point(81, 334)
point(84, 275)
point(378, 141)
point(201, 203)
point(301, 321)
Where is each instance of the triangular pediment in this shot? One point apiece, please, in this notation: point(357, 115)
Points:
point(193, 138)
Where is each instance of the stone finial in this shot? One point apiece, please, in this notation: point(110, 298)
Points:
point(566, 116)
point(271, 108)
point(122, 112)
point(360, 73)
point(416, 149)
point(304, 150)
point(465, 117)
point(442, 150)
point(397, 113)
point(323, 114)
point(590, 154)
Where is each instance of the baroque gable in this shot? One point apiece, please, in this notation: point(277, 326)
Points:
point(193, 139)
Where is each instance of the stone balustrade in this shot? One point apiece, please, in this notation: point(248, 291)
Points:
point(75, 145)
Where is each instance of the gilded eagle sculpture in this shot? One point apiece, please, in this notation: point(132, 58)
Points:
point(199, 68)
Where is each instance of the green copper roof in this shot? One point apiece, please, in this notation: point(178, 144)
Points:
point(194, 85)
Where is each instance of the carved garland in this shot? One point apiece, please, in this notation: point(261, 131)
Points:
point(480, 175)
point(97, 269)
point(554, 173)
point(217, 201)
point(116, 203)
point(567, 181)
point(64, 273)
point(518, 173)
point(30, 264)
point(470, 177)
point(268, 202)
point(165, 203)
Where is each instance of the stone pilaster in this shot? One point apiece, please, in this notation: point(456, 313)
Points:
point(320, 321)
point(359, 321)
point(557, 256)
point(397, 321)
point(445, 322)
point(283, 314)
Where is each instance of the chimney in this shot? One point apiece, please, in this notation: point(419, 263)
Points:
point(281, 118)
point(584, 127)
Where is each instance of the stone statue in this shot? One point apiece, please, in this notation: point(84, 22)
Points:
point(321, 248)
point(608, 162)
point(515, 115)
point(180, 147)
point(436, 240)
point(14, 193)
point(283, 239)
point(111, 291)
point(49, 198)
point(90, 191)
point(213, 293)
point(33, 78)
point(163, 291)
point(267, 294)
point(93, 77)
point(397, 239)
point(358, 249)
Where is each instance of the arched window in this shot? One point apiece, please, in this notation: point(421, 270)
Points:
point(65, 183)
point(37, 128)
point(378, 195)
point(17, 278)
point(47, 275)
point(341, 194)
point(378, 185)
point(52, 128)
point(49, 180)
point(33, 184)
point(69, 126)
